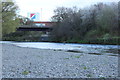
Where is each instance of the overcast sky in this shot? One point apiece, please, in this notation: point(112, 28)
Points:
point(46, 7)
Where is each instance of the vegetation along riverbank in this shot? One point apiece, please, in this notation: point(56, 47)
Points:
point(98, 24)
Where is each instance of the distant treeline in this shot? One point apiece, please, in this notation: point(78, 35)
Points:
point(95, 24)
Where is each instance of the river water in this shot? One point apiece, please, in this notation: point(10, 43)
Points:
point(72, 47)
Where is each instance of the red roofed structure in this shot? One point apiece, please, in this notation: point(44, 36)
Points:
point(47, 24)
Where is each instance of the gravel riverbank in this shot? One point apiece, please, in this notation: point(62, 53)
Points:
point(21, 62)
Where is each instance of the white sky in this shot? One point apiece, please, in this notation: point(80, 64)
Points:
point(47, 6)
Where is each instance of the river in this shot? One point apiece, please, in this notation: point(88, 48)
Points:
point(73, 47)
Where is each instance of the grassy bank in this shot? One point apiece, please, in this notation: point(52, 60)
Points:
point(23, 36)
point(112, 41)
point(33, 36)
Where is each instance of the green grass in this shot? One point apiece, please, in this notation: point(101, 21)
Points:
point(89, 75)
point(94, 68)
point(102, 77)
point(77, 56)
point(110, 76)
point(25, 72)
point(85, 67)
point(66, 58)
point(73, 56)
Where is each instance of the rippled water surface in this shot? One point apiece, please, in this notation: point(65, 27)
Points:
point(112, 50)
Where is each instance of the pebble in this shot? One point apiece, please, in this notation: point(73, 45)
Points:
point(21, 59)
